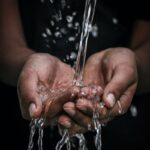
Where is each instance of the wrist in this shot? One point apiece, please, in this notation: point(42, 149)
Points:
point(143, 73)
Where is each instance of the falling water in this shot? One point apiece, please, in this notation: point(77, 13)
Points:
point(32, 133)
point(97, 125)
point(36, 124)
point(82, 142)
point(86, 26)
point(64, 140)
point(80, 62)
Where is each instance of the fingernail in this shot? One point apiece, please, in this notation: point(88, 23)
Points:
point(111, 99)
point(66, 124)
point(32, 108)
point(70, 111)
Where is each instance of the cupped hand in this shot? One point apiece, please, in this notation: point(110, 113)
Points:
point(115, 70)
point(41, 75)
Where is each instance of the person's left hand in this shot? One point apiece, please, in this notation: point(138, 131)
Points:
point(115, 70)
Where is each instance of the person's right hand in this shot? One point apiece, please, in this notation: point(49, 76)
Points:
point(40, 78)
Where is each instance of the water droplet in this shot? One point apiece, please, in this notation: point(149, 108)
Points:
point(77, 46)
point(63, 30)
point(74, 13)
point(48, 31)
point(89, 28)
point(70, 25)
point(57, 34)
point(44, 35)
point(54, 41)
point(67, 57)
point(94, 31)
point(69, 19)
point(64, 60)
point(71, 39)
point(76, 24)
point(57, 28)
point(51, 1)
point(115, 20)
point(60, 15)
point(133, 111)
point(56, 17)
point(73, 55)
point(48, 46)
point(68, 6)
point(52, 22)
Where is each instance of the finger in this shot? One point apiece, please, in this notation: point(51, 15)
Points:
point(30, 102)
point(77, 116)
point(105, 121)
point(87, 97)
point(91, 91)
point(122, 78)
point(54, 105)
point(65, 121)
point(88, 107)
point(70, 125)
point(123, 103)
point(85, 106)
point(84, 121)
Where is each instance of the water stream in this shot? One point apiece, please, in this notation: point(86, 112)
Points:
point(80, 63)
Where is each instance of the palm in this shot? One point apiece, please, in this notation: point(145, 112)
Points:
point(41, 73)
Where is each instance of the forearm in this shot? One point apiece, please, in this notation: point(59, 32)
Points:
point(13, 48)
point(141, 45)
point(143, 62)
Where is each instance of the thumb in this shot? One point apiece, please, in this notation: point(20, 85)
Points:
point(30, 102)
point(35, 108)
point(122, 78)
